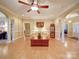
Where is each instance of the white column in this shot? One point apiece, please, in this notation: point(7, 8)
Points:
point(9, 29)
point(57, 29)
point(62, 30)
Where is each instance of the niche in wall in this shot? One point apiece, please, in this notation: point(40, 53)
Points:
point(27, 29)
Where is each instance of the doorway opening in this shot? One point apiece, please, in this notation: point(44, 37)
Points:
point(65, 30)
point(4, 29)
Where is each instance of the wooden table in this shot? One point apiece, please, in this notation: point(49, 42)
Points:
point(40, 42)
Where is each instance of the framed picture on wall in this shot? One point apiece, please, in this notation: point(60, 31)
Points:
point(39, 24)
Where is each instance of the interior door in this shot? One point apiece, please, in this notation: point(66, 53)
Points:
point(52, 31)
point(27, 29)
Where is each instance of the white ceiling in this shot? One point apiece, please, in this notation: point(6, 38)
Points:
point(56, 8)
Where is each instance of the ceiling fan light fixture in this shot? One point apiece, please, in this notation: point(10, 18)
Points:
point(34, 8)
point(34, 5)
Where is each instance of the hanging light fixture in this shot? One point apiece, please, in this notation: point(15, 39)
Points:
point(34, 5)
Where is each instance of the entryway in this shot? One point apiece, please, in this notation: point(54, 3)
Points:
point(6, 28)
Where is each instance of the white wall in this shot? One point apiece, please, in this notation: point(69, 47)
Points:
point(70, 29)
point(18, 28)
point(57, 29)
point(45, 29)
point(76, 29)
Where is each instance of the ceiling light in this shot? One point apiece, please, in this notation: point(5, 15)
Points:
point(69, 21)
point(34, 8)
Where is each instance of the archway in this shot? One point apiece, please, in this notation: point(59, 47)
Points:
point(4, 28)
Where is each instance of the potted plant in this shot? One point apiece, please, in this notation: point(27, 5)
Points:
point(39, 35)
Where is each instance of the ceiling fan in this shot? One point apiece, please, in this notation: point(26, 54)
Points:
point(34, 5)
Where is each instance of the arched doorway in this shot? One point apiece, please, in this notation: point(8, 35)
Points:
point(4, 28)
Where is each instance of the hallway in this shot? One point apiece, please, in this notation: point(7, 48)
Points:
point(57, 49)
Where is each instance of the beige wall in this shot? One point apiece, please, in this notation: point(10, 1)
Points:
point(70, 29)
point(18, 28)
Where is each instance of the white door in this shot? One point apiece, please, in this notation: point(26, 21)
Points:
point(27, 29)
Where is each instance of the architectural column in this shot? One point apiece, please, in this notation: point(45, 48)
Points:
point(9, 29)
point(57, 29)
point(62, 30)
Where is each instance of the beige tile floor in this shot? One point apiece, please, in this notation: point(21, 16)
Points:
point(57, 49)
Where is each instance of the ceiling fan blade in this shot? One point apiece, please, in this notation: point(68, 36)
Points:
point(29, 10)
point(24, 3)
point(32, 2)
point(38, 11)
point(44, 6)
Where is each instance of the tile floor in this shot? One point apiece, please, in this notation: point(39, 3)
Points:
point(57, 49)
